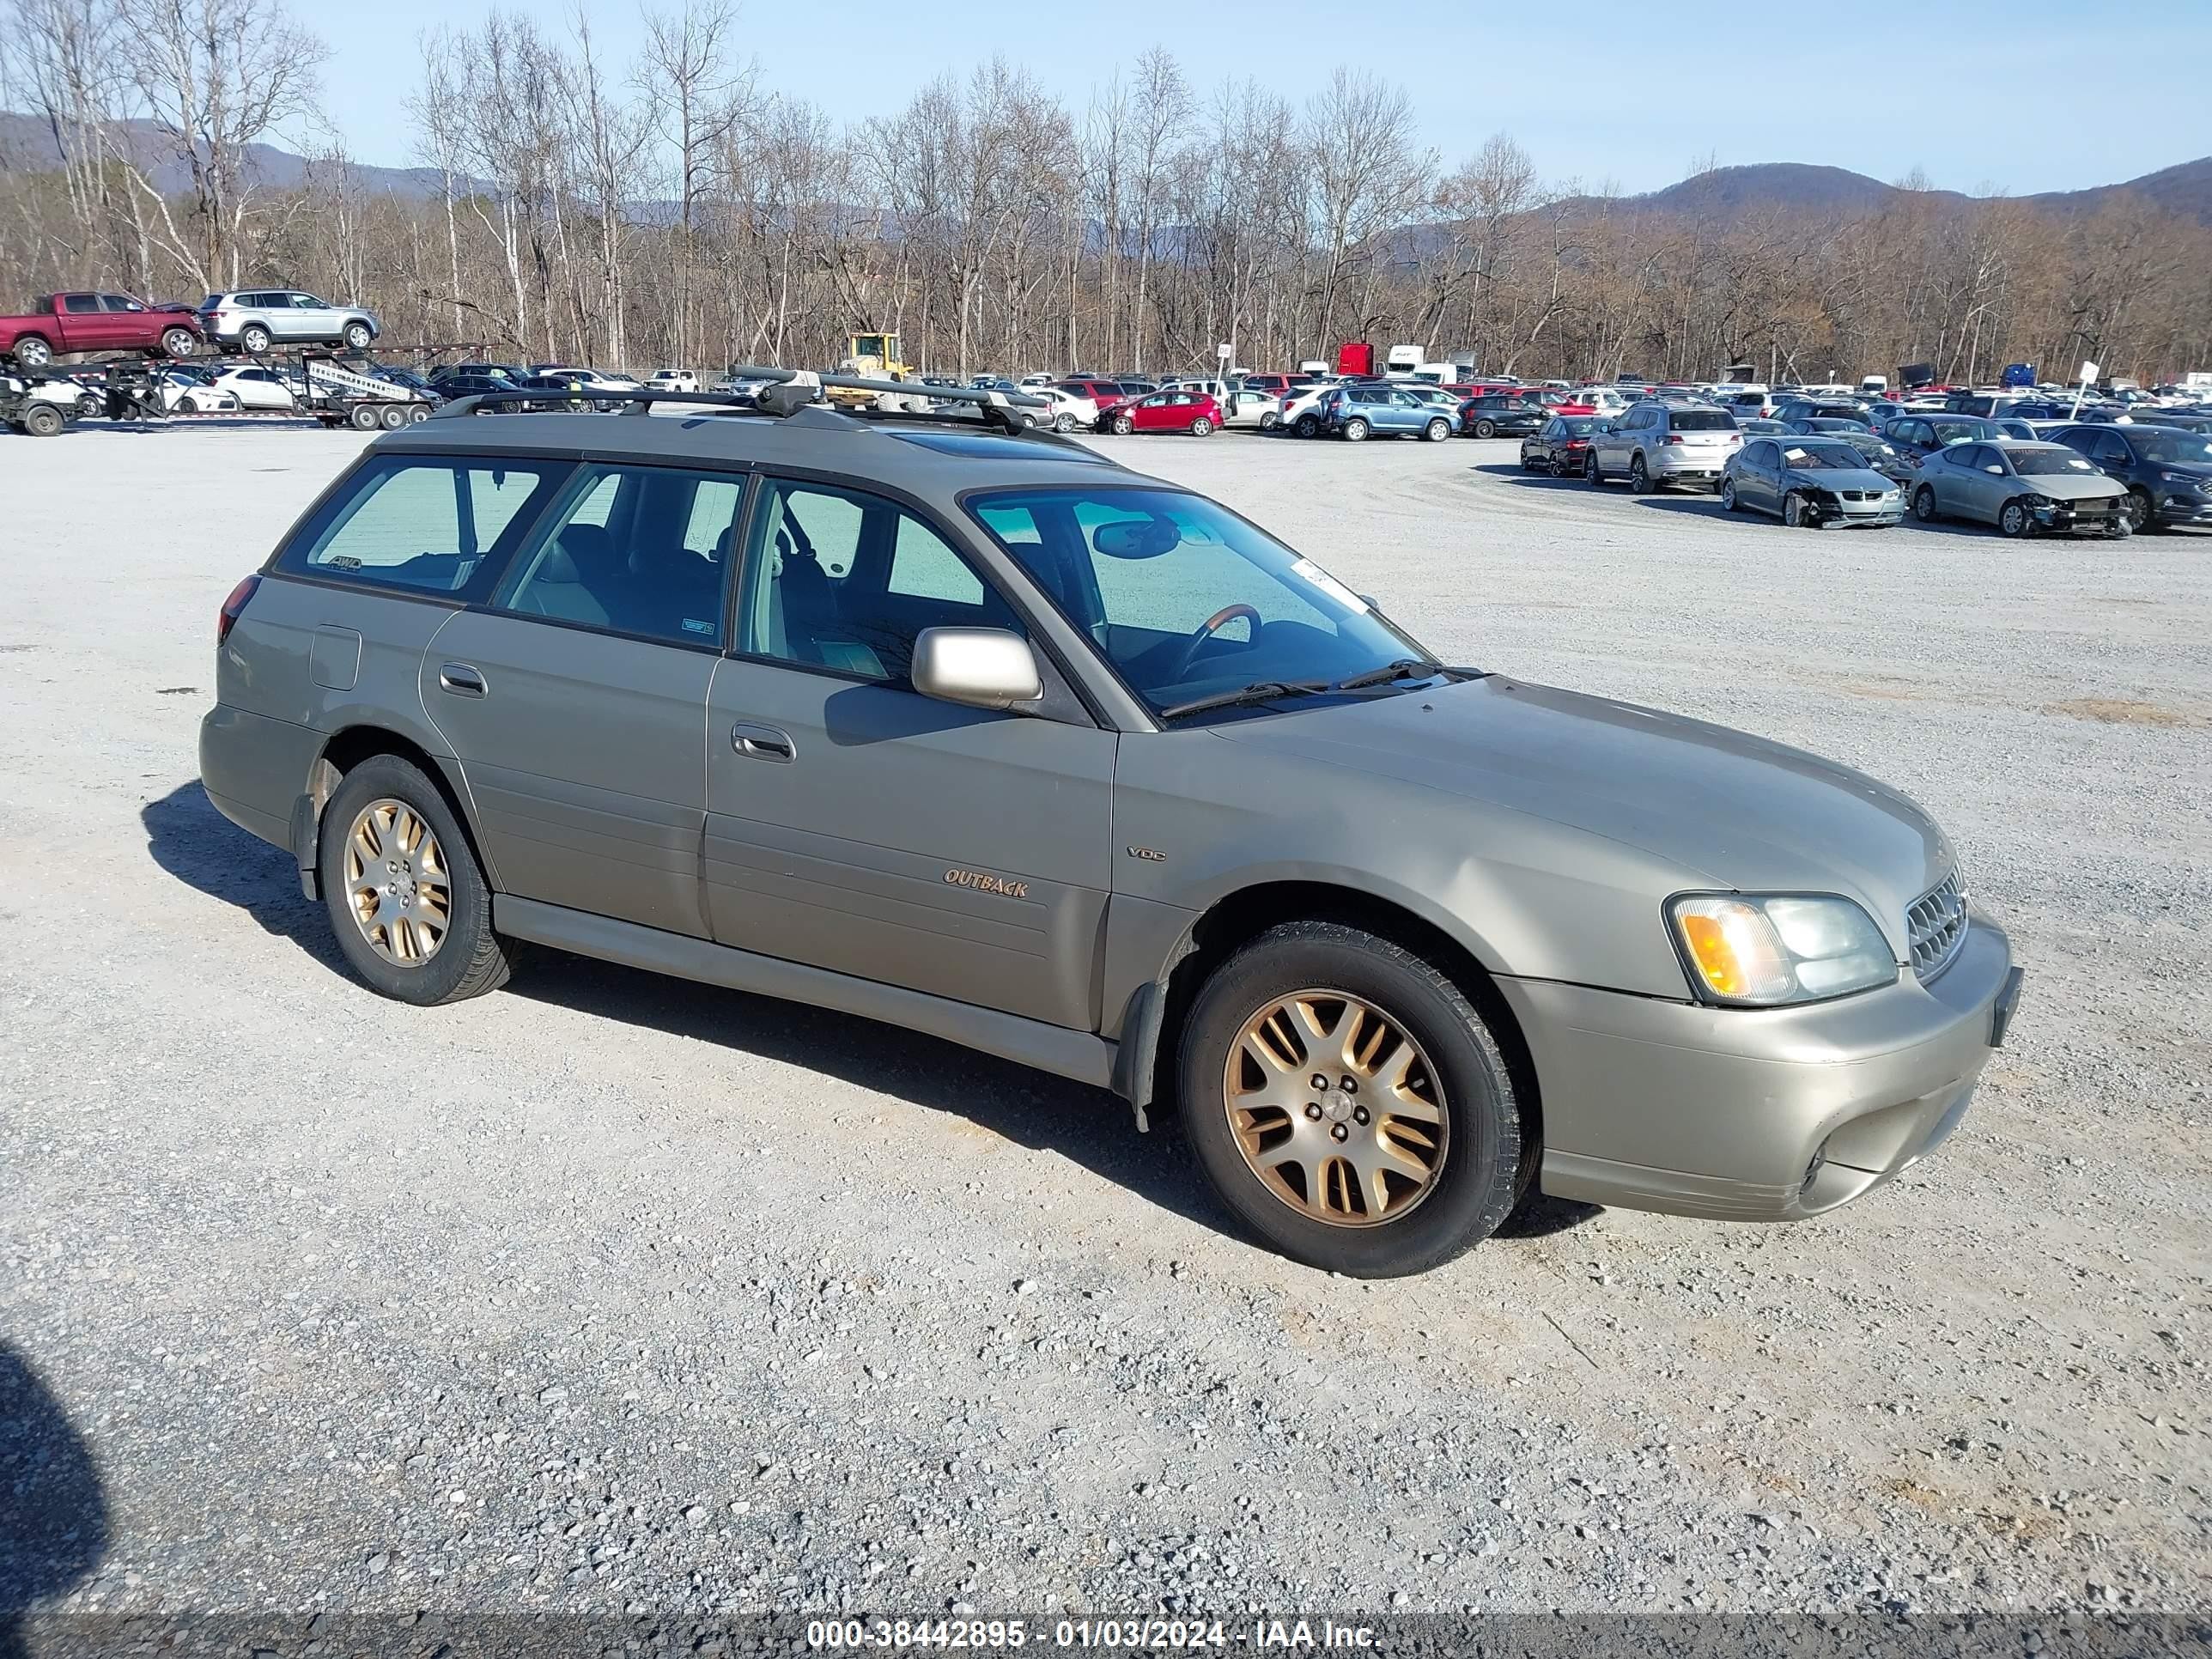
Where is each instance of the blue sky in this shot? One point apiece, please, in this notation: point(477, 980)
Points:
point(1578, 85)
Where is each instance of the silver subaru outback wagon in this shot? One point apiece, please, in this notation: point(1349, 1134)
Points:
point(1008, 744)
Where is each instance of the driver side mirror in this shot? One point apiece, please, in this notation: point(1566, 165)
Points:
point(1997, 472)
point(975, 667)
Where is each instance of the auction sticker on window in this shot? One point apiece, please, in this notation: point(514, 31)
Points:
point(1330, 585)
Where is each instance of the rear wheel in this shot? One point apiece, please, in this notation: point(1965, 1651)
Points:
point(1437, 430)
point(1355, 430)
point(417, 412)
point(32, 352)
point(392, 417)
point(253, 339)
point(1063, 423)
point(357, 336)
point(42, 420)
point(1308, 426)
point(1201, 427)
point(363, 418)
point(406, 899)
point(1348, 1103)
point(1485, 428)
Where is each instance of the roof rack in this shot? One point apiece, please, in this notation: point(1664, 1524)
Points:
point(788, 390)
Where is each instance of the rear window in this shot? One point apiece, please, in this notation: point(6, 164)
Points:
point(1700, 420)
point(431, 525)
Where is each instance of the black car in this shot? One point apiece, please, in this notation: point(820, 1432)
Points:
point(1560, 446)
point(444, 372)
point(2167, 469)
point(1503, 415)
point(1807, 426)
point(1918, 435)
point(1821, 409)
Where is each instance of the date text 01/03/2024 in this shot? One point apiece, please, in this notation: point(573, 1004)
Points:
point(1150, 1633)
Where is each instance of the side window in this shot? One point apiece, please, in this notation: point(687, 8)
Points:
point(639, 549)
point(120, 302)
point(839, 579)
point(77, 304)
point(2112, 450)
point(431, 525)
point(1759, 455)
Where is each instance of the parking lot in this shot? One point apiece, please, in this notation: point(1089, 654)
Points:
point(616, 1293)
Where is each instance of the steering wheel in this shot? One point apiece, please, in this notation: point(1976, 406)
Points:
point(1206, 629)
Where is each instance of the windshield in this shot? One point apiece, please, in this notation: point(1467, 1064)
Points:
point(2028, 463)
point(1183, 597)
point(2172, 449)
point(1866, 443)
point(1830, 457)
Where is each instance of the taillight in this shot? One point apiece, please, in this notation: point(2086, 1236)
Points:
point(234, 607)
point(1672, 438)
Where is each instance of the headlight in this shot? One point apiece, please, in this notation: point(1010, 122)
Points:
point(1764, 951)
point(2186, 480)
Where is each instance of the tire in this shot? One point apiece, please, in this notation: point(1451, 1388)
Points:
point(363, 418)
point(468, 958)
point(1201, 427)
point(357, 336)
point(1793, 511)
point(1355, 431)
point(2119, 530)
point(1475, 1175)
point(1592, 472)
point(43, 420)
point(417, 412)
point(1308, 426)
point(1064, 423)
point(89, 405)
point(1270, 420)
point(2135, 507)
point(1485, 428)
point(32, 352)
point(1924, 504)
point(1437, 430)
point(392, 417)
point(253, 339)
point(1123, 426)
point(2014, 522)
point(179, 343)
point(1728, 495)
point(1639, 479)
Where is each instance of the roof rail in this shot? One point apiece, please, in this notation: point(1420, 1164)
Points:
point(788, 390)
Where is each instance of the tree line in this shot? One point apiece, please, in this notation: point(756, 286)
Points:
point(681, 210)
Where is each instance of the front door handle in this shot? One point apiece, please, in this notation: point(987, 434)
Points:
point(461, 680)
point(763, 742)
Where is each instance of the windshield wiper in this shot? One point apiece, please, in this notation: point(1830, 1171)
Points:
point(1258, 691)
point(1405, 668)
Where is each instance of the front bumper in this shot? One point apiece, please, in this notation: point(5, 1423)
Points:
point(1758, 1115)
point(2078, 518)
point(2185, 507)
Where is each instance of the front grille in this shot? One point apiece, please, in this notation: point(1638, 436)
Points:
point(1937, 924)
point(1861, 494)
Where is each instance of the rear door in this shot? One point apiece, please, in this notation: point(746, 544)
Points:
point(576, 702)
point(84, 326)
point(858, 826)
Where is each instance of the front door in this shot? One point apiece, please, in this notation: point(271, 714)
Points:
point(856, 826)
point(576, 702)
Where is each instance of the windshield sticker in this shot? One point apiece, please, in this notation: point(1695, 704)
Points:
point(1330, 585)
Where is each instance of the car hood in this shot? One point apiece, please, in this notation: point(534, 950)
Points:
point(1730, 810)
point(1864, 478)
point(2071, 486)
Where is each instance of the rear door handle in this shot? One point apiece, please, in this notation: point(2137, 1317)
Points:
point(763, 742)
point(461, 680)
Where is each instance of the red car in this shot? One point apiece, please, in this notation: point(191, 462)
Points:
point(59, 323)
point(1174, 410)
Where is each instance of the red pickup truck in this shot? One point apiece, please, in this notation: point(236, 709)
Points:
point(96, 322)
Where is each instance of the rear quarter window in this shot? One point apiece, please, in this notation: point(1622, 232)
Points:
point(429, 525)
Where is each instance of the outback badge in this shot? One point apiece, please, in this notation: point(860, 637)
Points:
point(983, 884)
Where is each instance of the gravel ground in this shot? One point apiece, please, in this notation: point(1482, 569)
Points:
point(609, 1294)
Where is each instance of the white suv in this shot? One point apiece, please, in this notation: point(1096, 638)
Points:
point(1655, 444)
point(254, 319)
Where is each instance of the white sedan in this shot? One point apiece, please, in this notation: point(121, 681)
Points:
point(256, 387)
point(1068, 413)
point(182, 393)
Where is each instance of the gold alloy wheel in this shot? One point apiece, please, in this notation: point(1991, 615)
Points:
point(397, 884)
point(1336, 1108)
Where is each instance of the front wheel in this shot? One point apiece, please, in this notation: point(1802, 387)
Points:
point(2135, 506)
point(1924, 504)
point(179, 343)
point(1792, 510)
point(1639, 479)
point(1348, 1103)
point(406, 899)
point(357, 336)
point(253, 339)
point(2015, 520)
point(1123, 426)
point(1201, 427)
point(1592, 474)
point(1438, 429)
point(1270, 420)
point(1728, 495)
point(1355, 430)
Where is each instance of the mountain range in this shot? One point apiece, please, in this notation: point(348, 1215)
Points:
point(1794, 187)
